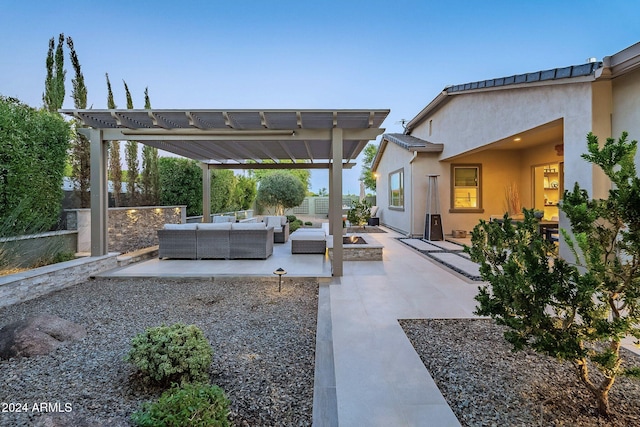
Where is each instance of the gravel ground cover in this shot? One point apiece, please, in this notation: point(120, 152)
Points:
point(488, 385)
point(263, 343)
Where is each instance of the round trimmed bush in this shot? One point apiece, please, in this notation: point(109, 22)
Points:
point(191, 405)
point(177, 353)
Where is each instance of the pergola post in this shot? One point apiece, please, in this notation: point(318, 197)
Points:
point(206, 193)
point(99, 192)
point(336, 200)
point(330, 214)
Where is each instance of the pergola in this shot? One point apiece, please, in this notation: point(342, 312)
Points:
point(233, 139)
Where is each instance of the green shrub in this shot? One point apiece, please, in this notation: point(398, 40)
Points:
point(293, 226)
point(176, 353)
point(308, 223)
point(189, 405)
point(291, 218)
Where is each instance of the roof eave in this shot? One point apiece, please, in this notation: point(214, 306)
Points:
point(436, 103)
point(431, 148)
point(620, 63)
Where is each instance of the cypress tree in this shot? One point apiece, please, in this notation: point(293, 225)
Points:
point(80, 147)
point(53, 96)
point(131, 156)
point(60, 72)
point(115, 168)
point(150, 177)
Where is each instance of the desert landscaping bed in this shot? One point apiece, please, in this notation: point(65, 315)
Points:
point(263, 343)
point(488, 385)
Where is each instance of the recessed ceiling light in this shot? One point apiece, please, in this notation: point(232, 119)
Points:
point(518, 139)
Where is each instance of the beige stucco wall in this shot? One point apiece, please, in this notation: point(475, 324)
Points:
point(394, 158)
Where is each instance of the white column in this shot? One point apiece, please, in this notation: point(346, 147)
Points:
point(336, 201)
point(99, 193)
point(206, 193)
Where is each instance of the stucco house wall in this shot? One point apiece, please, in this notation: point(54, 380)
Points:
point(394, 158)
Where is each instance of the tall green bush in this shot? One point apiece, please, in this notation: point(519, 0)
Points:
point(244, 192)
point(33, 151)
point(181, 183)
point(222, 184)
point(577, 310)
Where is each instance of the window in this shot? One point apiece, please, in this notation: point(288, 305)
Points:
point(466, 188)
point(396, 189)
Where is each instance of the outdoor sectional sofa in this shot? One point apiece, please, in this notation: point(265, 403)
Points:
point(216, 241)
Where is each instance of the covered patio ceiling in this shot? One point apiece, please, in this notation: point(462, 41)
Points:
point(232, 139)
point(242, 139)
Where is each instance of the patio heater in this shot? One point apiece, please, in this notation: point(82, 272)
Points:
point(433, 220)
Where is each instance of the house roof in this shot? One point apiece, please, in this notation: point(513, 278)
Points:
point(537, 76)
point(408, 142)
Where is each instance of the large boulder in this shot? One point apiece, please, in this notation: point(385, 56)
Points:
point(37, 335)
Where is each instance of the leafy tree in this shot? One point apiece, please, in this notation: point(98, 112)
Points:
point(33, 151)
point(181, 183)
point(323, 192)
point(281, 190)
point(367, 176)
point(131, 157)
point(581, 310)
point(150, 179)
point(80, 146)
point(303, 175)
point(53, 96)
point(115, 166)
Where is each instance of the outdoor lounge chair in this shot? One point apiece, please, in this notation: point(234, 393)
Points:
point(280, 228)
point(373, 220)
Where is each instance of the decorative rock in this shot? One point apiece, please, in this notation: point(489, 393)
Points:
point(37, 336)
point(65, 420)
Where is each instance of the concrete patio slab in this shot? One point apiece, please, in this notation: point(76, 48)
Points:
point(461, 263)
point(299, 265)
point(448, 246)
point(421, 245)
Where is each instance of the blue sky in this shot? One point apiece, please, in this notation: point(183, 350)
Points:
point(303, 54)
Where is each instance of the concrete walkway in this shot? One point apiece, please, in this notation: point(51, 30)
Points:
point(379, 378)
